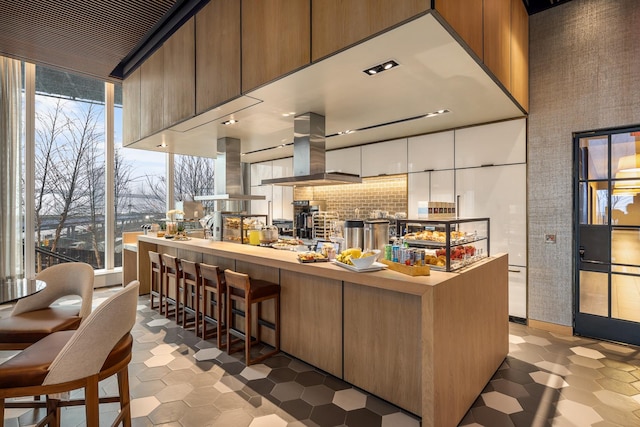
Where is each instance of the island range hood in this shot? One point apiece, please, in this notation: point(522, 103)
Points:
point(227, 184)
point(309, 156)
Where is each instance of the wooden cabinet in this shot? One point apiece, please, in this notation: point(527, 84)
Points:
point(385, 158)
point(151, 93)
point(179, 75)
point(345, 160)
point(520, 53)
point(465, 17)
point(430, 152)
point(217, 53)
point(337, 24)
point(497, 39)
point(131, 108)
point(493, 144)
point(276, 39)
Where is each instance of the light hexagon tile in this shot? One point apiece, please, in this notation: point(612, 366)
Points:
point(553, 367)
point(143, 406)
point(399, 419)
point(620, 349)
point(271, 420)
point(255, 372)
point(532, 339)
point(222, 388)
point(586, 362)
point(158, 322)
point(578, 413)
point(514, 339)
point(587, 352)
point(164, 349)
point(161, 360)
point(350, 399)
point(549, 380)
point(501, 402)
point(207, 354)
point(232, 382)
point(174, 392)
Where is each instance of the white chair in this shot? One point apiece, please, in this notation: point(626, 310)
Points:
point(33, 318)
point(69, 360)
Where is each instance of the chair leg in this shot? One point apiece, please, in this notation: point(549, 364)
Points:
point(125, 400)
point(277, 319)
point(229, 319)
point(219, 319)
point(53, 413)
point(92, 402)
point(247, 331)
point(2, 417)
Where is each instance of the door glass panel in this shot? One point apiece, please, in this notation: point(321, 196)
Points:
point(625, 246)
point(593, 293)
point(593, 158)
point(625, 297)
point(593, 200)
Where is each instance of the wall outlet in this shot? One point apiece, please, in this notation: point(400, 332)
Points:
point(550, 238)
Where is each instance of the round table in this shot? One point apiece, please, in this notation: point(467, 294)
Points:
point(12, 289)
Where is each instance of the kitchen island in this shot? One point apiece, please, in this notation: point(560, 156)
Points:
point(428, 344)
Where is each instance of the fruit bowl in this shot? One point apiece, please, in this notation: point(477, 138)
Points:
point(366, 260)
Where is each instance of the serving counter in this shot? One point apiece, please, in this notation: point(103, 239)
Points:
point(428, 344)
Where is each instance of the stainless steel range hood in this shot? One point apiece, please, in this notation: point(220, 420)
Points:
point(309, 156)
point(227, 184)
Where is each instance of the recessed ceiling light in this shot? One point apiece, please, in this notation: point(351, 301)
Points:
point(381, 67)
point(163, 145)
point(230, 122)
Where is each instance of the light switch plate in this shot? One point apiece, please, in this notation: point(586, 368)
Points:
point(550, 238)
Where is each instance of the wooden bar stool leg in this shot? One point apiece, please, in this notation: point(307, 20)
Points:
point(247, 330)
point(219, 312)
point(229, 317)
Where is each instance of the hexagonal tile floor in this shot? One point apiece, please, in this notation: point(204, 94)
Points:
point(179, 380)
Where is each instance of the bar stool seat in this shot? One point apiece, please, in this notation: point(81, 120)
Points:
point(213, 289)
point(241, 288)
point(156, 267)
point(191, 294)
point(173, 287)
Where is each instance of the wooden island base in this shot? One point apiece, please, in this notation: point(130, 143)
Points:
point(428, 344)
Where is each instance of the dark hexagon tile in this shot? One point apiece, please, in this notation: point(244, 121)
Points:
point(335, 384)
point(509, 388)
point(318, 395)
point(527, 419)
point(282, 375)
point(297, 408)
point(277, 361)
point(328, 415)
point(578, 395)
point(263, 386)
point(621, 366)
point(287, 391)
point(200, 416)
point(490, 417)
point(520, 365)
point(379, 406)
point(233, 368)
point(310, 378)
point(517, 376)
point(468, 419)
point(363, 418)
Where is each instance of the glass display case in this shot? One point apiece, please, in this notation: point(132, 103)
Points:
point(455, 242)
point(236, 227)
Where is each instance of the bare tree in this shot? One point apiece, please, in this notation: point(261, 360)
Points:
point(192, 176)
point(122, 191)
point(95, 193)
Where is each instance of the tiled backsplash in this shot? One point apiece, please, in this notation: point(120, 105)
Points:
point(388, 193)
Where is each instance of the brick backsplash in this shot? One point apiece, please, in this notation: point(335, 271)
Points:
point(388, 193)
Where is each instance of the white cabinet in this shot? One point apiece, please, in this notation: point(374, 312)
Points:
point(442, 186)
point(436, 186)
point(430, 152)
point(261, 207)
point(384, 158)
point(345, 160)
point(493, 144)
point(518, 291)
point(282, 207)
point(282, 168)
point(497, 192)
point(260, 171)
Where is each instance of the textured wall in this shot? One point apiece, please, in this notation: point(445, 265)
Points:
point(584, 74)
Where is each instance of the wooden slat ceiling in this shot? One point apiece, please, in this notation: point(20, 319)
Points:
point(90, 37)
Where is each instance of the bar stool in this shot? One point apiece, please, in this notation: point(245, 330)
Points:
point(241, 288)
point(172, 284)
point(213, 290)
point(156, 267)
point(191, 294)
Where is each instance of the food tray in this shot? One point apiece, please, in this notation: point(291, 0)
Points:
point(316, 258)
point(376, 266)
point(411, 270)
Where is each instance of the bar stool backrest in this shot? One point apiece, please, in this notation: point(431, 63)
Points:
point(190, 271)
point(238, 284)
point(212, 277)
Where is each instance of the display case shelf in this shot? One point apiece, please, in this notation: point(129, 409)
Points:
point(235, 227)
point(456, 242)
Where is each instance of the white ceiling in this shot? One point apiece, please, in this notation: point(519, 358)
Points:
point(435, 73)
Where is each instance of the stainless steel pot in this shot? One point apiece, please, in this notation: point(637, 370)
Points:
point(376, 234)
point(353, 233)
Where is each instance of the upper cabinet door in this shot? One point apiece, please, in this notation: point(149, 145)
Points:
point(276, 39)
point(218, 53)
point(131, 108)
point(465, 17)
point(431, 152)
point(497, 39)
point(345, 160)
point(520, 53)
point(260, 171)
point(282, 168)
point(179, 75)
point(338, 23)
point(384, 158)
point(492, 144)
point(151, 93)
